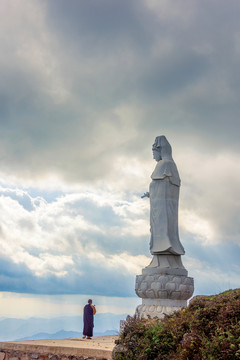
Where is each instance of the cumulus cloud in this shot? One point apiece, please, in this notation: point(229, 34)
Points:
point(211, 278)
point(75, 238)
point(209, 201)
point(92, 242)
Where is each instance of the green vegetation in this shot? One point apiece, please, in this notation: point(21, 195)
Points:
point(209, 328)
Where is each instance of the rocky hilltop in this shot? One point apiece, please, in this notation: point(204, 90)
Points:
point(209, 328)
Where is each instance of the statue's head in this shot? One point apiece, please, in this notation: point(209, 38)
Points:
point(161, 148)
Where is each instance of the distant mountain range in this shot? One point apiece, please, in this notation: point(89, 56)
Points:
point(66, 326)
point(62, 334)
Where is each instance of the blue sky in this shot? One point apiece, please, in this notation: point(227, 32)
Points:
point(86, 86)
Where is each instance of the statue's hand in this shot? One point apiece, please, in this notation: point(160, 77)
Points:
point(146, 194)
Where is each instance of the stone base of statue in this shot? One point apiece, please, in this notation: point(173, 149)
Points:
point(164, 287)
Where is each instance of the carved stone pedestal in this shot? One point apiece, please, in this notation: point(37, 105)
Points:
point(163, 286)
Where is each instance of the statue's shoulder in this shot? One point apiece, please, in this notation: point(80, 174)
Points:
point(166, 168)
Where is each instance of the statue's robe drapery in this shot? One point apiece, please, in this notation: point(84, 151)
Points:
point(88, 320)
point(164, 196)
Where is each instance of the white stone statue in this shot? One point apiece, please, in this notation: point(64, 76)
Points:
point(164, 196)
point(164, 285)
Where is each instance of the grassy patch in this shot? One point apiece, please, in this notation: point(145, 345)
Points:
point(209, 328)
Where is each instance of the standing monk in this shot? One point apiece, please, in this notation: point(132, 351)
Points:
point(88, 312)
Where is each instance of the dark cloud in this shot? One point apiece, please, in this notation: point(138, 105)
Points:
point(164, 77)
point(66, 76)
point(101, 27)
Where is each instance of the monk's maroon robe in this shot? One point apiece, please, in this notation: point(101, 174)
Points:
point(88, 320)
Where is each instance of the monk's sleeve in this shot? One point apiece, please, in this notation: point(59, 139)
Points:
point(94, 309)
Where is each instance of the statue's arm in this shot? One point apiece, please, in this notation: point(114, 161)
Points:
point(146, 194)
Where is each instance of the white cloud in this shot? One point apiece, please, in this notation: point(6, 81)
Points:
point(208, 195)
point(122, 262)
point(200, 228)
point(47, 237)
point(210, 279)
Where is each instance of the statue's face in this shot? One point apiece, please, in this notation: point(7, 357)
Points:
point(157, 155)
